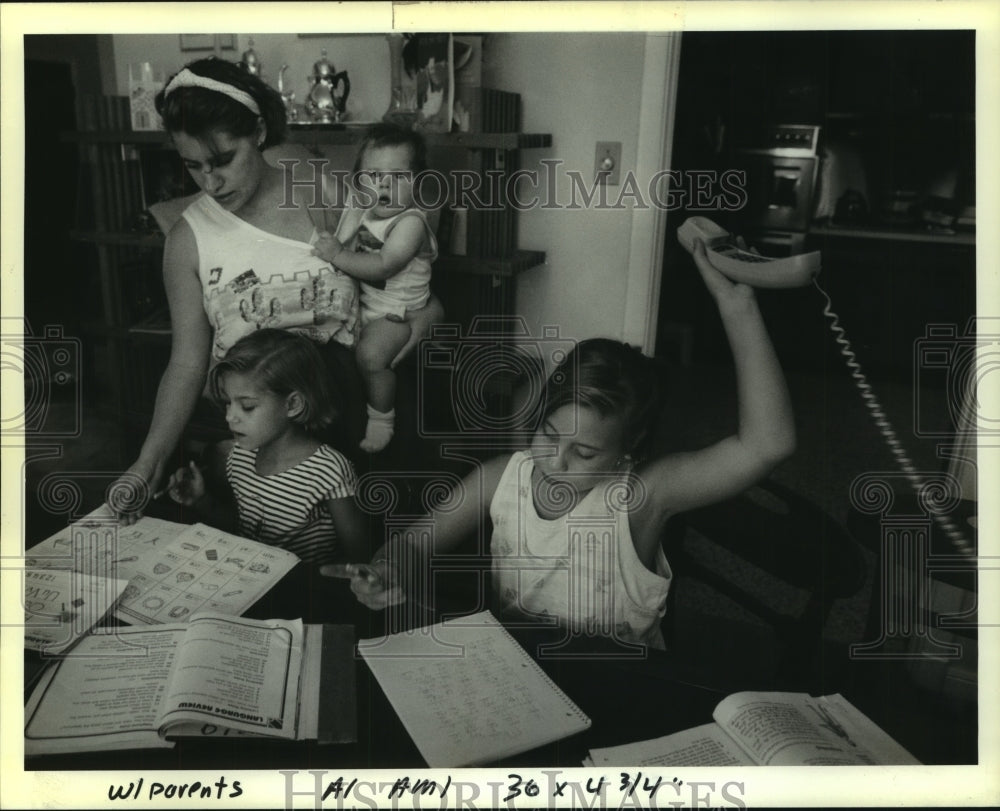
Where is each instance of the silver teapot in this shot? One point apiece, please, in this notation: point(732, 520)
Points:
point(327, 99)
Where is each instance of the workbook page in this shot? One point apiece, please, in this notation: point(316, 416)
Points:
point(173, 570)
point(106, 694)
point(795, 729)
point(706, 745)
point(468, 693)
point(239, 673)
point(61, 606)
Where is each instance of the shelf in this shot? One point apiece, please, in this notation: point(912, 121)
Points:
point(330, 135)
point(902, 118)
point(145, 330)
point(155, 327)
point(127, 238)
point(446, 263)
point(103, 330)
point(153, 138)
point(489, 266)
point(891, 234)
point(138, 333)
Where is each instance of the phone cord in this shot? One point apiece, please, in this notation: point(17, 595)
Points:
point(885, 427)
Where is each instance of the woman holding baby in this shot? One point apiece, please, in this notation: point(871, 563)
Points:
point(241, 256)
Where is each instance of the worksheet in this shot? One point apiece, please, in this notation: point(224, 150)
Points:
point(172, 569)
point(60, 606)
point(468, 693)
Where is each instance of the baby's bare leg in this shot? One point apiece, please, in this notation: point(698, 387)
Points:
point(379, 343)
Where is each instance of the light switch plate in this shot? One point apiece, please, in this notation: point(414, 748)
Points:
point(607, 162)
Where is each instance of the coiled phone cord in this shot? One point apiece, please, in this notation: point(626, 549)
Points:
point(884, 426)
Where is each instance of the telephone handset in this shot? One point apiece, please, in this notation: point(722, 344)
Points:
point(743, 266)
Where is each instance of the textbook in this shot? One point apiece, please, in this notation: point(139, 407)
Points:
point(468, 693)
point(768, 729)
point(215, 675)
point(173, 570)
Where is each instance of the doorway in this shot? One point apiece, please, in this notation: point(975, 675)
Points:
point(65, 443)
point(53, 283)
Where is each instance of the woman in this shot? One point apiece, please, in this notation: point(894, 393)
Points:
point(240, 257)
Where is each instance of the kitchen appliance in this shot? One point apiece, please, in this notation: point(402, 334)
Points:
point(781, 166)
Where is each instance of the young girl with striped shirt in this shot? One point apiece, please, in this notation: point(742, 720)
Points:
point(290, 489)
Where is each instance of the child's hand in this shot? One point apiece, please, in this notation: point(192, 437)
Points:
point(187, 485)
point(375, 585)
point(726, 293)
point(327, 247)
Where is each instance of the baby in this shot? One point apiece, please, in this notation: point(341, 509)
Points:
point(384, 241)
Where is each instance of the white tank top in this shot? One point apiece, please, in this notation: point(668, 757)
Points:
point(407, 289)
point(253, 279)
point(581, 568)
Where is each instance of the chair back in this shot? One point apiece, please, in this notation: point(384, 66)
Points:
point(768, 560)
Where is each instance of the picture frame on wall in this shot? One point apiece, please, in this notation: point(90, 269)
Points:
point(198, 42)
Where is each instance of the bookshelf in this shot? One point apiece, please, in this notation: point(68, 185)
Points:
point(134, 327)
point(331, 135)
point(505, 266)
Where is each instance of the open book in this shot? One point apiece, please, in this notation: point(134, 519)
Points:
point(128, 688)
point(173, 570)
point(468, 693)
point(768, 729)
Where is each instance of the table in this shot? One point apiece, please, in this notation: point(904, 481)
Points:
point(627, 699)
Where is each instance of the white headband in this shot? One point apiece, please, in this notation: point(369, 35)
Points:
point(186, 78)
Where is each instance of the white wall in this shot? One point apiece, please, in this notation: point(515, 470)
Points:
point(581, 88)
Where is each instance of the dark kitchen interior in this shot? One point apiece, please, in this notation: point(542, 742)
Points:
point(892, 208)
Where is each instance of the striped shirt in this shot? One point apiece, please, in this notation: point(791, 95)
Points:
point(289, 509)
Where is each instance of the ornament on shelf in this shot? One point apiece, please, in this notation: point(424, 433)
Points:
point(403, 101)
point(250, 62)
point(287, 96)
point(327, 99)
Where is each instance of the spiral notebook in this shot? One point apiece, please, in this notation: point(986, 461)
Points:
point(468, 693)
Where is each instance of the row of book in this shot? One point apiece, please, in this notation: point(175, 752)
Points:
point(493, 110)
point(116, 174)
point(487, 224)
point(127, 180)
